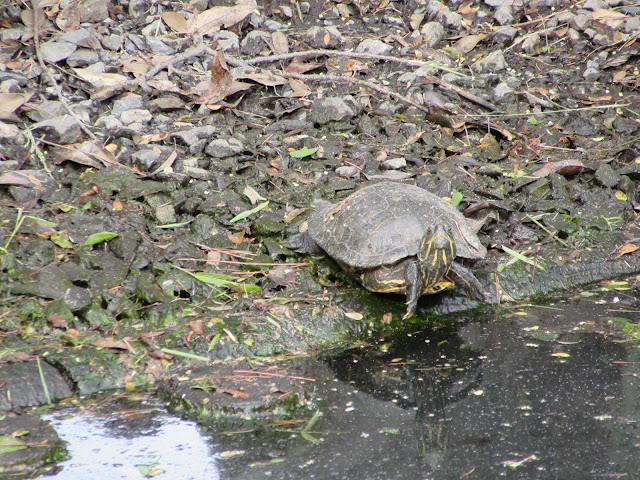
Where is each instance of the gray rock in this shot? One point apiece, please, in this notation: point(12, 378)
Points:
point(165, 214)
point(504, 14)
point(138, 8)
point(109, 124)
point(579, 21)
point(221, 148)
point(494, 62)
point(395, 163)
point(255, 42)
point(94, 10)
point(591, 74)
point(607, 176)
point(374, 47)
point(82, 57)
point(506, 33)
point(632, 24)
point(316, 36)
point(83, 37)
point(227, 41)
point(531, 44)
point(12, 34)
point(146, 157)
point(432, 32)
point(63, 129)
point(8, 131)
point(594, 4)
point(127, 102)
point(501, 91)
point(330, 109)
point(112, 42)
point(196, 138)
point(347, 172)
point(55, 51)
point(137, 115)
point(158, 47)
point(134, 42)
point(76, 298)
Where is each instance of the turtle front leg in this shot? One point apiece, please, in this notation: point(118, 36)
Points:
point(464, 278)
point(414, 285)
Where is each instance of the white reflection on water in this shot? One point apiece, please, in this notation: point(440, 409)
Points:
point(98, 450)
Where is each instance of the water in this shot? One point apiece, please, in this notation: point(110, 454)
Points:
point(539, 392)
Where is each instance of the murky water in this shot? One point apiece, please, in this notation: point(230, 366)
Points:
point(538, 393)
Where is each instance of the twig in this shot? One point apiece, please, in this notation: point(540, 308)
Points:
point(439, 118)
point(386, 58)
point(106, 93)
point(52, 80)
point(357, 81)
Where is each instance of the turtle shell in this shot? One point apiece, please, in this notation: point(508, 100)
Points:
point(385, 222)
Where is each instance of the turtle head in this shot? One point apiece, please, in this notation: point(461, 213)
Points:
point(435, 255)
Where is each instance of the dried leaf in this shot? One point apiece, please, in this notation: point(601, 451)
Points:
point(299, 67)
point(267, 79)
point(252, 195)
point(135, 65)
point(220, 83)
point(284, 275)
point(196, 327)
point(563, 167)
point(27, 17)
point(57, 321)
point(468, 43)
point(175, 21)
point(300, 89)
point(87, 153)
point(279, 43)
point(10, 102)
point(100, 79)
point(610, 18)
point(22, 178)
point(111, 342)
point(211, 20)
point(628, 248)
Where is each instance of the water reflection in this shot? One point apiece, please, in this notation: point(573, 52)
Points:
point(129, 443)
point(542, 394)
point(522, 396)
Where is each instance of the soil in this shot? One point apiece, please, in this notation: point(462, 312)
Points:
point(156, 155)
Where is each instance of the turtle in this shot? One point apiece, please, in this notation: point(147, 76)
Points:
point(396, 238)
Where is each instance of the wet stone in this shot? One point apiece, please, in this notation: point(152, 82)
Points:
point(165, 214)
point(432, 32)
point(44, 447)
point(82, 57)
point(83, 37)
point(607, 176)
point(112, 42)
point(494, 62)
point(330, 109)
point(221, 148)
point(268, 224)
point(128, 102)
point(55, 51)
point(76, 298)
point(23, 386)
point(504, 14)
point(316, 37)
point(255, 42)
point(395, 163)
point(375, 47)
point(135, 115)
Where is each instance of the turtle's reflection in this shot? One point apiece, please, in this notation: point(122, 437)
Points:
point(412, 376)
